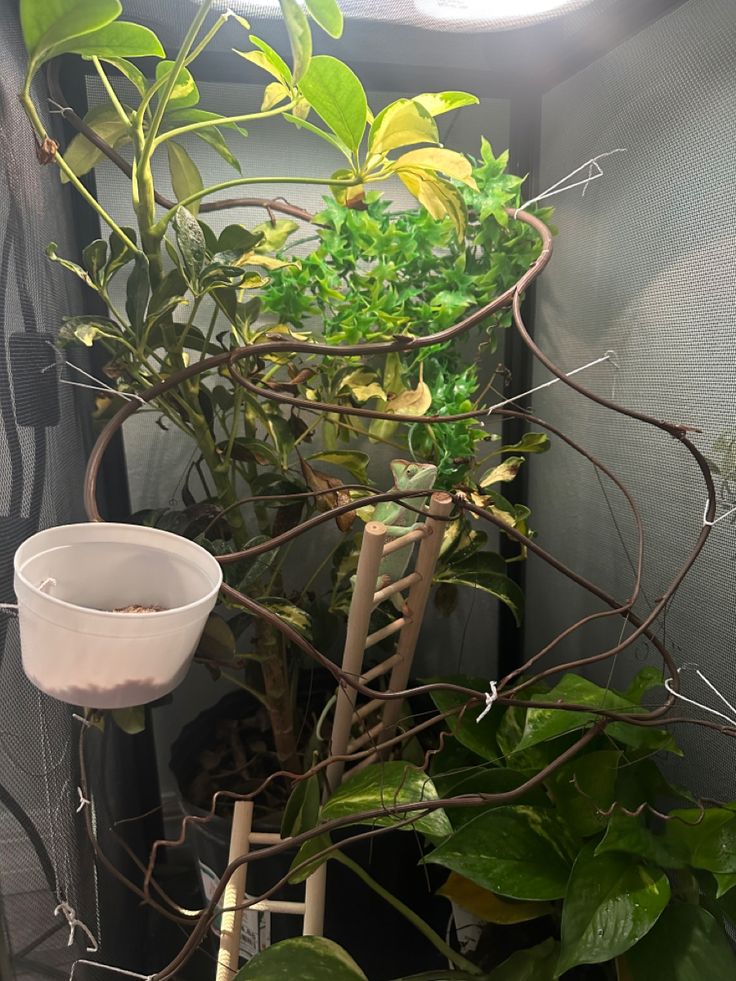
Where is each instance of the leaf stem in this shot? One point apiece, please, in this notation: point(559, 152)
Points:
point(434, 938)
point(111, 94)
point(219, 121)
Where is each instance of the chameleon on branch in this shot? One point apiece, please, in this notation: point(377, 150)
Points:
point(408, 476)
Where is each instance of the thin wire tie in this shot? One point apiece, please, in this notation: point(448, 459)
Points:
point(71, 918)
point(594, 172)
point(705, 708)
point(490, 697)
point(101, 386)
point(109, 967)
point(715, 520)
point(606, 357)
point(13, 607)
point(83, 802)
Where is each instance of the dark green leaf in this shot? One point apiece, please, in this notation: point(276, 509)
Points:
point(584, 789)
point(137, 292)
point(328, 15)
point(687, 944)
point(300, 36)
point(631, 835)
point(647, 679)
point(691, 829)
point(548, 723)
point(306, 958)
point(335, 93)
point(533, 964)
point(481, 571)
point(610, 904)
point(120, 254)
point(217, 642)
point(119, 40)
point(386, 785)
point(46, 23)
point(302, 808)
point(480, 737)
point(168, 294)
point(716, 850)
point(94, 257)
point(488, 780)
point(521, 852)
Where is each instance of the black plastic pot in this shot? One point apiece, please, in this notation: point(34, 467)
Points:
point(382, 941)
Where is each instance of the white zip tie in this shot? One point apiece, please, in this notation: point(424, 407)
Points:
point(71, 918)
point(705, 708)
point(109, 967)
point(83, 802)
point(50, 581)
point(608, 356)
point(490, 697)
point(594, 172)
point(715, 520)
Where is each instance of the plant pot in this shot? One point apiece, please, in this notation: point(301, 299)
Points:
point(354, 915)
point(74, 647)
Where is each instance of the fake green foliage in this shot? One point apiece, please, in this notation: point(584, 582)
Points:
point(615, 864)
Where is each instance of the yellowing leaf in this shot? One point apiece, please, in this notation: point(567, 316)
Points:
point(401, 123)
point(435, 158)
point(412, 401)
point(438, 102)
point(362, 385)
point(504, 471)
point(439, 197)
point(486, 905)
point(274, 93)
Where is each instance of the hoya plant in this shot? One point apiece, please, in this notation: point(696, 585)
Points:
point(599, 868)
point(176, 292)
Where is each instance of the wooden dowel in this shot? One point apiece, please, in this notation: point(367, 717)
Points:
point(361, 607)
point(396, 587)
point(365, 737)
point(279, 906)
point(386, 631)
point(231, 920)
point(365, 710)
point(405, 540)
point(383, 668)
point(314, 900)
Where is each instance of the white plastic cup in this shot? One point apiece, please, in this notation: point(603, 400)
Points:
point(74, 648)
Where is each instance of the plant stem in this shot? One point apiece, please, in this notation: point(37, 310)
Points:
point(220, 121)
point(111, 94)
point(240, 181)
point(434, 938)
point(272, 658)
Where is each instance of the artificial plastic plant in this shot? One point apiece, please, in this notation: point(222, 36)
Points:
point(189, 293)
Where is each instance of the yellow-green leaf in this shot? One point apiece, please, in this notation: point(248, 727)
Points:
point(401, 123)
point(267, 59)
point(335, 93)
point(328, 15)
point(486, 905)
point(438, 102)
point(300, 36)
point(82, 155)
point(504, 471)
point(274, 93)
point(51, 22)
point(435, 158)
point(185, 176)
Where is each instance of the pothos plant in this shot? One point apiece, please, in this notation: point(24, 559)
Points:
point(602, 869)
point(188, 293)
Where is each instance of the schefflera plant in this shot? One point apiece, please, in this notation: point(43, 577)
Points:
point(189, 293)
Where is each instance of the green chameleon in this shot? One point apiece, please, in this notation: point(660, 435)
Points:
point(398, 519)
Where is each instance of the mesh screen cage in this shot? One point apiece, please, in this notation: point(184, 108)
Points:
point(621, 115)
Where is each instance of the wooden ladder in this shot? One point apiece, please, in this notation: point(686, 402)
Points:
point(366, 598)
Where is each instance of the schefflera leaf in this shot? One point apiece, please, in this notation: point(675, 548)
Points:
point(308, 958)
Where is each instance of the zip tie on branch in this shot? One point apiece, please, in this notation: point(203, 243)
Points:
point(490, 697)
point(594, 172)
point(74, 922)
point(715, 520)
point(83, 802)
point(691, 701)
point(608, 356)
point(101, 386)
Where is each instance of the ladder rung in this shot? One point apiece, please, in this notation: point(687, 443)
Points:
point(365, 710)
point(383, 668)
point(265, 838)
point(395, 587)
point(384, 632)
point(365, 737)
point(404, 540)
point(279, 906)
